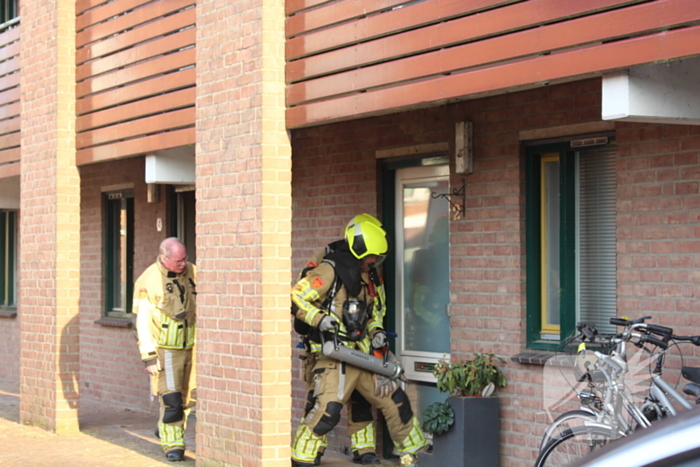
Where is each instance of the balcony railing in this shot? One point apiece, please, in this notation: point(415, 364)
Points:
point(135, 77)
point(9, 98)
point(349, 59)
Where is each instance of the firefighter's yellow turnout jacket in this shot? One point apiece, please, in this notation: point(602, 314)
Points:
point(165, 304)
point(310, 291)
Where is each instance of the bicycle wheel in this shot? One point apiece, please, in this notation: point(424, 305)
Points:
point(573, 444)
point(563, 422)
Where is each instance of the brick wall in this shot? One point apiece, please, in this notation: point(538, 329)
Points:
point(49, 227)
point(243, 235)
point(659, 225)
point(110, 365)
point(335, 177)
point(9, 348)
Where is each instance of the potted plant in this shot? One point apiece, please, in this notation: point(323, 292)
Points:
point(438, 417)
point(465, 427)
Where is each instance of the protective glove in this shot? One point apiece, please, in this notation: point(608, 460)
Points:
point(379, 340)
point(327, 323)
point(152, 366)
point(384, 386)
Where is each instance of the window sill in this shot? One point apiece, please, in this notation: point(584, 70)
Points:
point(115, 322)
point(534, 357)
point(8, 313)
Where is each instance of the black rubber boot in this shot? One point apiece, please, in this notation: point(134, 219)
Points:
point(317, 461)
point(300, 464)
point(176, 455)
point(368, 458)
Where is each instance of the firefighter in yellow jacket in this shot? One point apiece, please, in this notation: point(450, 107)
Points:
point(359, 411)
point(345, 276)
point(164, 304)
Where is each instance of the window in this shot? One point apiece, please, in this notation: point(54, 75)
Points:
point(183, 215)
point(119, 253)
point(571, 240)
point(8, 259)
point(8, 10)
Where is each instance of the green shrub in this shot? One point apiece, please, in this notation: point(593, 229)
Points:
point(469, 377)
point(438, 417)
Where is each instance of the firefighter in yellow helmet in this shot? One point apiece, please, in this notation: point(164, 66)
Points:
point(164, 305)
point(344, 275)
point(359, 412)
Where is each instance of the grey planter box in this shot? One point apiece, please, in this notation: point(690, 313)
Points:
point(472, 441)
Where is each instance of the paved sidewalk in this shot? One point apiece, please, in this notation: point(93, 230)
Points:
point(108, 438)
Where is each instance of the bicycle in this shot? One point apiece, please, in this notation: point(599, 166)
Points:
point(606, 403)
point(659, 402)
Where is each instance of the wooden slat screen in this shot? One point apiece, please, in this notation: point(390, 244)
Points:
point(135, 77)
point(9, 100)
point(430, 51)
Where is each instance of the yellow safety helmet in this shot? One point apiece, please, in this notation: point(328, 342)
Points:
point(366, 238)
point(362, 218)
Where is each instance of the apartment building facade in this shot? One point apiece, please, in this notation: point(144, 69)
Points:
point(540, 158)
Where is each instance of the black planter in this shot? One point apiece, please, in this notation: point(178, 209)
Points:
point(472, 441)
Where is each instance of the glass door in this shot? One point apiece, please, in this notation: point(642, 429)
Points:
point(422, 269)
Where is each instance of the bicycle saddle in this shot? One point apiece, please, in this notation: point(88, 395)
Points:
point(692, 389)
point(691, 374)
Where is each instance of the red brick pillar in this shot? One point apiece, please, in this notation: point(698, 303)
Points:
point(243, 160)
point(49, 261)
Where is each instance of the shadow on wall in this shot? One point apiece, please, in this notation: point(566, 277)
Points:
point(9, 401)
point(69, 362)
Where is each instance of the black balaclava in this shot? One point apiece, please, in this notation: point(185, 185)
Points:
point(331, 247)
point(347, 267)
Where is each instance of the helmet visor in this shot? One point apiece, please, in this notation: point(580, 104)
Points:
point(375, 261)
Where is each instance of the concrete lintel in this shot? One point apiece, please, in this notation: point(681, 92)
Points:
point(173, 166)
point(658, 93)
point(410, 150)
point(566, 130)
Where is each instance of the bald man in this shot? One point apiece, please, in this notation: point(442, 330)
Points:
point(164, 305)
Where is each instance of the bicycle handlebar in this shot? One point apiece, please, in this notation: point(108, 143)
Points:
point(653, 340)
point(665, 333)
point(662, 331)
point(628, 322)
point(587, 331)
point(695, 340)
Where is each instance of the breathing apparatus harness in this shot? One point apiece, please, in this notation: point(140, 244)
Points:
point(355, 315)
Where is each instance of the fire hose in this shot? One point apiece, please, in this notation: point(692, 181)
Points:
point(382, 366)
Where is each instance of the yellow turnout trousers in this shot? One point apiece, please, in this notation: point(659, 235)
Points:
point(175, 387)
point(359, 412)
point(333, 385)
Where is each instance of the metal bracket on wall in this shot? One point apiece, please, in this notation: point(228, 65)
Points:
point(456, 207)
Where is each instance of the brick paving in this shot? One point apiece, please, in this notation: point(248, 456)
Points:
point(108, 438)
